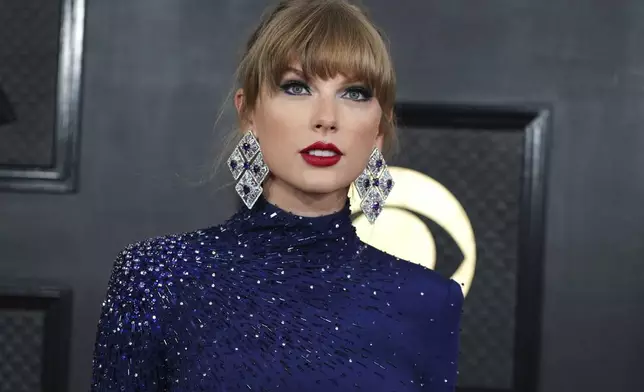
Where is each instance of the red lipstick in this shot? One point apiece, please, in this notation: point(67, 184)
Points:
point(321, 154)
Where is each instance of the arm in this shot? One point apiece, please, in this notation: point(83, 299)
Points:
point(127, 355)
point(445, 363)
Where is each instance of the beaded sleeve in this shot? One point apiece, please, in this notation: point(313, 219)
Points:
point(128, 349)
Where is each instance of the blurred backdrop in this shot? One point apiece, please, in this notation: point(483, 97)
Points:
point(106, 138)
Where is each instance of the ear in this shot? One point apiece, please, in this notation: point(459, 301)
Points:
point(239, 101)
point(245, 120)
point(380, 139)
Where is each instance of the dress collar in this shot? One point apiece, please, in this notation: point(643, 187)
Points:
point(275, 227)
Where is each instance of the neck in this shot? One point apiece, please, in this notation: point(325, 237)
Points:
point(298, 202)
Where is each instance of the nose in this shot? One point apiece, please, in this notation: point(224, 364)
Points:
point(325, 116)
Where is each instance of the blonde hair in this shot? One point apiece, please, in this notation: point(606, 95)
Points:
point(327, 38)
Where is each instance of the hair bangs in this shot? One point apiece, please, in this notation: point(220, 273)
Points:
point(326, 42)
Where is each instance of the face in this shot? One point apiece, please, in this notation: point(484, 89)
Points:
point(316, 135)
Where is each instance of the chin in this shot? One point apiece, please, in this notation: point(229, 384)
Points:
point(321, 184)
point(319, 187)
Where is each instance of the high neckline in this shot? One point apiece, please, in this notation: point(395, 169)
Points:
point(266, 207)
point(276, 227)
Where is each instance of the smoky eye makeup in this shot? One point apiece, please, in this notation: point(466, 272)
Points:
point(358, 93)
point(294, 87)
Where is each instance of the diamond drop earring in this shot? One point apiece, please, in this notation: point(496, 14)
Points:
point(247, 165)
point(374, 185)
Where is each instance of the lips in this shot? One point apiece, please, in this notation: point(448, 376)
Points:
point(321, 154)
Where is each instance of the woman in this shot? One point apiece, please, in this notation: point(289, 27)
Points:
point(284, 296)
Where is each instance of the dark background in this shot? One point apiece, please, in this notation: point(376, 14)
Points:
point(482, 168)
point(28, 55)
point(157, 71)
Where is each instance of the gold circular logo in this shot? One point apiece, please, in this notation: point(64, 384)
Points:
point(400, 233)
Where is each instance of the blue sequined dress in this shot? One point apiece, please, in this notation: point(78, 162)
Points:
point(271, 301)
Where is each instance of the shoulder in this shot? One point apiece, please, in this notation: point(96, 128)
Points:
point(144, 268)
point(172, 250)
point(154, 247)
point(146, 255)
point(419, 281)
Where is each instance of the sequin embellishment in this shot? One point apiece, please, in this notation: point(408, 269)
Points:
point(270, 301)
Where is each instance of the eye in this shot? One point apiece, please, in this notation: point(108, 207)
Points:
point(358, 94)
point(295, 87)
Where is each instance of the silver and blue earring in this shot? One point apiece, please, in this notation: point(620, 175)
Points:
point(374, 185)
point(248, 168)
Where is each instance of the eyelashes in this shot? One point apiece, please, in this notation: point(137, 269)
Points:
point(353, 93)
point(358, 93)
point(295, 87)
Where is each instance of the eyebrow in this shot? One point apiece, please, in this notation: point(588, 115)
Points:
point(296, 71)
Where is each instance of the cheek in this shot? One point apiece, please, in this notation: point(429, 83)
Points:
point(276, 121)
point(364, 129)
point(269, 127)
point(277, 130)
point(268, 123)
point(367, 119)
point(360, 144)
